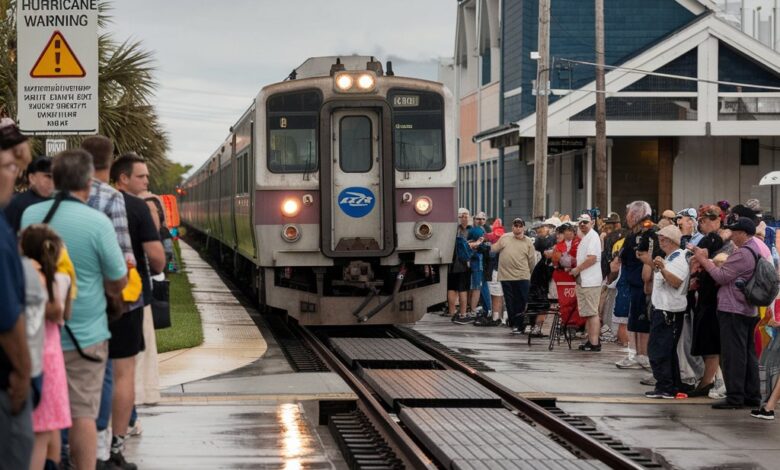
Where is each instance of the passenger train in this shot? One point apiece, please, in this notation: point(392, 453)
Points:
point(334, 195)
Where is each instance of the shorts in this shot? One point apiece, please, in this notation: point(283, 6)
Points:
point(85, 380)
point(458, 281)
point(494, 286)
point(639, 317)
point(127, 335)
point(588, 301)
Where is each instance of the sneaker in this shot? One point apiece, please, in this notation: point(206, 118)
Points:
point(649, 381)
point(103, 445)
point(536, 332)
point(516, 331)
point(700, 391)
point(718, 391)
point(627, 363)
point(659, 394)
point(763, 413)
point(102, 465)
point(463, 319)
point(726, 405)
point(119, 461)
point(527, 330)
point(605, 329)
point(136, 429)
point(483, 321)
point(590, 347)
point(643, 362)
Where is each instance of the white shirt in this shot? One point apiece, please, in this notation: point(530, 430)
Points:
point(590, 245)
point(666, 297)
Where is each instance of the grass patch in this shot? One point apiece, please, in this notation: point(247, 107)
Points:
point(186, 330)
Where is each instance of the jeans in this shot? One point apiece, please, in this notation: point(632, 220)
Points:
point(665, 331)
point(738, 358)
point(516, 297)
point(484, 295)
point(104, 415)
point(16, 435)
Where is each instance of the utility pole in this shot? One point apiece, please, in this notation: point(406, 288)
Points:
point(542, 91)
point(601, 113)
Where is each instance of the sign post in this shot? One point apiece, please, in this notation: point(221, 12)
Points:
point(57, 67)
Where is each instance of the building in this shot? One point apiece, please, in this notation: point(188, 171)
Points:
point(675, 142)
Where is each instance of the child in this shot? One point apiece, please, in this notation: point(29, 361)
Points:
point(43, 247)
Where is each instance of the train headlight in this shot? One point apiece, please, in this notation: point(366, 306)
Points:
point(291, 233)
point(423, 205)
point(291, 207)
point(344, 81)
point(365, 82)
point(423, 230)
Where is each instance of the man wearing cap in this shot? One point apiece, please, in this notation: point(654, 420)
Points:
point(16, 431)
point(687, 221)
point(736, 317)
point(668, 217)
point(41, 188)
point(669, 300)
point(588, 276)
point(514, 271)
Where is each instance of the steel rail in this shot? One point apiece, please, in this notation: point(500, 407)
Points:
point(588, 445)
point(408, 450)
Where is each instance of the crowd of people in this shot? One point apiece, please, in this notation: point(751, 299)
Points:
point(690, 295)
point(78, 248)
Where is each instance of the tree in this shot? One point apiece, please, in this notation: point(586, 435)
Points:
point(167, 182)
point(125, 86)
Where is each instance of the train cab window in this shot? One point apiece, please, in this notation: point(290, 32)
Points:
point(355, 144)
point(292, 132)
point(418, 130)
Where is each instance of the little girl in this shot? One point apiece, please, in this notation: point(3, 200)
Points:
point(43, 247)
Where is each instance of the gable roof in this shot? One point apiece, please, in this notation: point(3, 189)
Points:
point(699, 32)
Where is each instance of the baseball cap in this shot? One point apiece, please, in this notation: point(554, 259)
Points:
point(518, 221)
point(688, 212)
point(553, 222)
point(612, 218)
point(480, 215)
point(743, 224)
point(672, 233)
point(711, 212)
point(565, 226)
point(584, 218)
point(668, 214)
point(40, 164)
point(10, 136)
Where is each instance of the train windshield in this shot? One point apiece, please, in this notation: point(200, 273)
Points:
point(418, 135)
point(292, 132)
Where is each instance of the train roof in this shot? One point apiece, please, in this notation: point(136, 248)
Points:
point(320, 66)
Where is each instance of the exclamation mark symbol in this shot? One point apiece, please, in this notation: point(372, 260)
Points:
point(57, 55)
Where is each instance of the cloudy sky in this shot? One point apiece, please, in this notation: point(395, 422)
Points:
point(213, 57)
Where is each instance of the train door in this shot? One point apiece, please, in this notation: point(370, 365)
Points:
point(357, 216)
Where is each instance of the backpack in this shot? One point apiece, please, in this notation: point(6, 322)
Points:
point(762, 288)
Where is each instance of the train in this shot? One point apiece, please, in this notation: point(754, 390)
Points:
point(333, 197)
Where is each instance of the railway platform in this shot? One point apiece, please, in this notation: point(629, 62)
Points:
point(264, 414)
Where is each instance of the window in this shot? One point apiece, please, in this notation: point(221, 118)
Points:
point(292, 132)
point(748, 155)
point(418, 130)
point(355, 144)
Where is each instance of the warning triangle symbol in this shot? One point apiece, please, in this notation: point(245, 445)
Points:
point(57, 60)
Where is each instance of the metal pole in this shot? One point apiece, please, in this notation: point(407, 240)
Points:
point(601, 112)
point(542, 89)
point(478, 199)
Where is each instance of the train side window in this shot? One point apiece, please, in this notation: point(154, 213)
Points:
point(292, 132)
point(355, 144)
point(418, 130)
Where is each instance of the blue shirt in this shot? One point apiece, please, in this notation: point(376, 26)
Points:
point(92, 244)
point(11, 290)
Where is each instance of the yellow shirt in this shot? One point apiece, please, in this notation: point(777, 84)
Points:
point(517, 258)
point(65, 266)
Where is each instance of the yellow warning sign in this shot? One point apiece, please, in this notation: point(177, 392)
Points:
point(57, 60)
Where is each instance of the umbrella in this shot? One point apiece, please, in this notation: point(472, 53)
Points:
point(773, 177)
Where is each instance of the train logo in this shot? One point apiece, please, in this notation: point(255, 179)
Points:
point(356, 202)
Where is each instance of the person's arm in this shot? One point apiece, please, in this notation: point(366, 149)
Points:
point(118, 215)
point(150, 239)
point(734, 266)
point(499, 244)
point(155, 215)
point(14, 344)
point(531, 256)
point(112, 261)
point(590, 260)
point(156, 256)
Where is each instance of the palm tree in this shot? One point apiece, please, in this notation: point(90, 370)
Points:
point(125, 86)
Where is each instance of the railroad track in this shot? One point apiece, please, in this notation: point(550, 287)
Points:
point(392, 426)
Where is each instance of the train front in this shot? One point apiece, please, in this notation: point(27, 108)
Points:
point(355, 203)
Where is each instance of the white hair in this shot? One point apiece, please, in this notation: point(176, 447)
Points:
point(463, 210)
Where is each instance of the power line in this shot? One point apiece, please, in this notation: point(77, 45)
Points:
point(203, 92)
point(677, 77)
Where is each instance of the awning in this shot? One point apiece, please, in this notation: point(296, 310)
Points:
point(495, 133)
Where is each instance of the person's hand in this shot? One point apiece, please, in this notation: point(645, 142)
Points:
point(614, 265)
point(645, 257)
point(574, 272)
point(18, 390)
point(603, 236)
point(700, 254)
point(659, 263)
point(773, 323)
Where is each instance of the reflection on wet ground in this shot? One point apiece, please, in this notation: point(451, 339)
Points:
point(230, 435)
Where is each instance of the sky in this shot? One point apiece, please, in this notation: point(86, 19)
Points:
point(213, 57)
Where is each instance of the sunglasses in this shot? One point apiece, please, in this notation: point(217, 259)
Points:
point(584, 222)
point(479, 218)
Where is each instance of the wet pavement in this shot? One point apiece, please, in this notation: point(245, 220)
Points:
point(684, 434)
